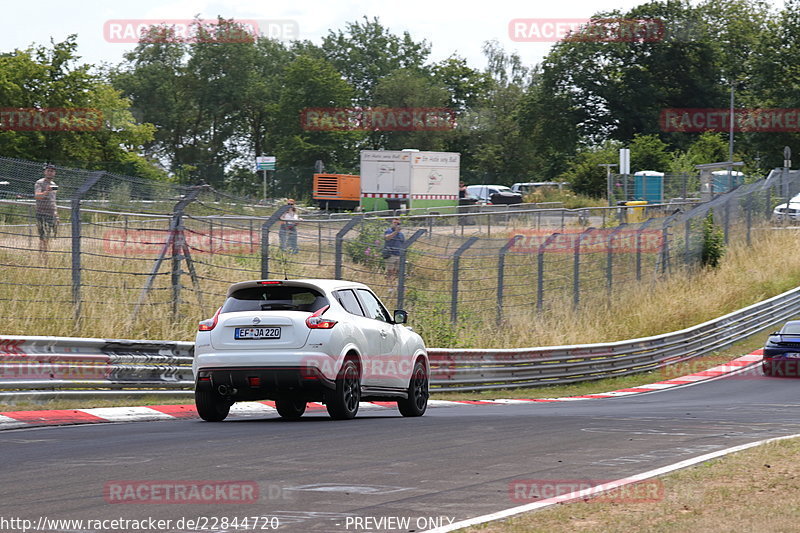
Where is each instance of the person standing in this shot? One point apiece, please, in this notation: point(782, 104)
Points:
point(393, 243)
point(44, 191)
point(288, 230)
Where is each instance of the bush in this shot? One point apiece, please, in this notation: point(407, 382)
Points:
point(366, 248)
point(713, 243)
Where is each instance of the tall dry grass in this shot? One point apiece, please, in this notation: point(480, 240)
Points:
point(35, 297)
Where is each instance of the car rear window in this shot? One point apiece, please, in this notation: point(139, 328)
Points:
point(275, 298)
point(791, 329)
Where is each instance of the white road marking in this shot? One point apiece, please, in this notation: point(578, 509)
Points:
point(7, 422)
point(243, 408)
point(593, 491)
point(126, 414)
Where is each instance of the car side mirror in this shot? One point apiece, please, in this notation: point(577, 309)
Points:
point(400, 316)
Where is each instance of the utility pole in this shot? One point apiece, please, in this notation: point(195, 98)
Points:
point(609, 185)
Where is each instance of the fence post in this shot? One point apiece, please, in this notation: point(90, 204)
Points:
point(726, 219)
point(339, 238)
point(454, 289)
point(178, 242)
point(174, 224)
point(610, 258)
point(768, 203)
point(540, 270)
point(273, 218)
point(75, 221)
point(687, 241)
point(401, 269)
point(319, 242)
point(210, 236)
point(749, 216)
point(576, 269)
point(501, 263)
point(665, 251)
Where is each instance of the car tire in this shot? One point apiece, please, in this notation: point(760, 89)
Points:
point(211, 406)
point(417, 401)
point(290, 408)
point(342, 402)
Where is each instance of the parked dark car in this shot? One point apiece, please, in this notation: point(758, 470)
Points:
point(782, 351)
point(494, 194)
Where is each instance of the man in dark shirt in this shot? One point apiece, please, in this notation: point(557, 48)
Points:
point(393, 243)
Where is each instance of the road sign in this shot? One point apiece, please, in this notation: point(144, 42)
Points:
point(624, 160)
point(266, 162)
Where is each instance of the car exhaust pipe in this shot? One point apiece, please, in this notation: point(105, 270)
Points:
point(225, 390)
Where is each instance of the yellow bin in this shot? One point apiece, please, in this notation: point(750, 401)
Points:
point(636, 211)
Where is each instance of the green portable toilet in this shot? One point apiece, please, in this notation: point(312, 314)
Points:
point(648, 185)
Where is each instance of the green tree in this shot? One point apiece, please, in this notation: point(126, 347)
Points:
point(496, 147)
point(466, 87)
point(585, 175)
point(709, 147)
point(41, 77)
point(409, 89)
point(367, 51)
point(648, 152)
point(310, 82)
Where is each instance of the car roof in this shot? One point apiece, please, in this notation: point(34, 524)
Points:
point(326, 285)
point(495, 186)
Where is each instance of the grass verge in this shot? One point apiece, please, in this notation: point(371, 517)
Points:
point(749, 490)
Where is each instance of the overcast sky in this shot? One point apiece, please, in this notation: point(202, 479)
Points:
point(451, 27)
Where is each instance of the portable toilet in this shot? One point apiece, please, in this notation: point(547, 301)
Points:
point(723, 181)
point(648, 185)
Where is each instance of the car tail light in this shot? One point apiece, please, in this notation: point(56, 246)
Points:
point(209, 323)
point(268, 282)
point(315, 321)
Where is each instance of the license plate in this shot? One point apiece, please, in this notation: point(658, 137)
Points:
point(257, 333)
point(792, 355)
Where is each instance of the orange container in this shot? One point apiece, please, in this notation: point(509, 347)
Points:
point(337, 191)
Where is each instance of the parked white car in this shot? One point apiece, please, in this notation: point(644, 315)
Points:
point(787, 212)
point(299, 341)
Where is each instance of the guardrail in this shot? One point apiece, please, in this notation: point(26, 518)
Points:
point(472, 370)
point(45, 366)
point(50, 365)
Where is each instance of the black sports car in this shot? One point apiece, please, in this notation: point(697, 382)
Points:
point(782, 351)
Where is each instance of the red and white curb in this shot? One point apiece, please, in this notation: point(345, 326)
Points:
point(19, 419)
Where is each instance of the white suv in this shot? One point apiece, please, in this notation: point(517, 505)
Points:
point(299, 341)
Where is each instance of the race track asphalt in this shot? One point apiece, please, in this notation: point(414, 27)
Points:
point(375, 472)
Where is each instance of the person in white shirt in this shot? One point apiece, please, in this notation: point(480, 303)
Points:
point(288, 230)
point(44, 191)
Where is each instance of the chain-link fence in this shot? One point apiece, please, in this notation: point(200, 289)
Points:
point(129, 250)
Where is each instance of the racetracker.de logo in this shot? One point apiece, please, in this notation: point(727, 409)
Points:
point(133, 31)
point(50, 119)
point(181, 492)
point(603, 240)
point(599, 490)
point(605, 30)
point(712, 119)
point(377, 119)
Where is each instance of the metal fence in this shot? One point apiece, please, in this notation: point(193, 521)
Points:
point(156, 251)
point(46, 367)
